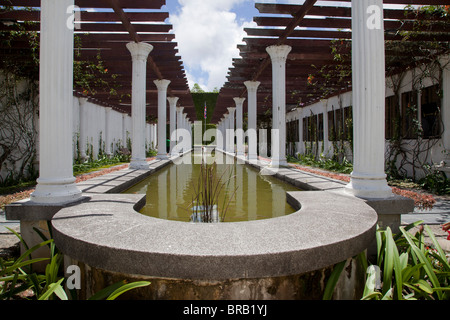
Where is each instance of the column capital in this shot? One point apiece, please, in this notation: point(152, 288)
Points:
point(180, 109)
point(173, 100)
point(162, 84)
point(279, 53)
point(239, 102)
point(252, 86)
point(139, 50)
point(231, 110)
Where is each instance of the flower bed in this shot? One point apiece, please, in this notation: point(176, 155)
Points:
point(10, 198)
point(421, 201)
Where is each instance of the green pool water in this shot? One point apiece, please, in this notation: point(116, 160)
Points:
point(170, 191)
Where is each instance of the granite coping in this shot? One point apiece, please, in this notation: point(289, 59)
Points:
point(105, 230)
point(108, 233)
point(300, 179)
point(114, 182)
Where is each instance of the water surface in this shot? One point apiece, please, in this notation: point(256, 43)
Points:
point(170, 191)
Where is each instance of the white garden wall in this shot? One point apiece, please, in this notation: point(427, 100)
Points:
point(438, 148)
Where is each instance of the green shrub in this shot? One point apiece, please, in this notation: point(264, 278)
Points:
point(17, 276)
point(407, 268)
point(436, 182)
point(345, 167)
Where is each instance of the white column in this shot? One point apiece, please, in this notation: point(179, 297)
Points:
point(83, 127)
point(230, 131)
point(108, 130)
point(148, 136)
point(219, 136)
point(368, 179)
point(124, 130)
point(56, 183)
point(224, 132)
point(326, 142)
point(263, 143)
point(173, 121)
point(139, 53)
point(189, 128)
point(180, 127)
point(278, 55)
point(155, 135)
point(252, 89)
point(301, 145)
point(240, 148)
point(162, 117)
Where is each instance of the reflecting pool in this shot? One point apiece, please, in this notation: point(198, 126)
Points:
point(247, 195)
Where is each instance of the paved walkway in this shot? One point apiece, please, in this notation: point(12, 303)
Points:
point(440, 214)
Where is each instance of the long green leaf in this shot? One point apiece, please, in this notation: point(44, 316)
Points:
point(332, 281)
point(20, 238)
point(388, 295)
point(30, 251)
point(425, 286)
point(437, 246)
point(51, 289)
point(374, 295)
point(52, 269)
point(59, 291)
point(106, 292)
point(13, 284)
point(388, 263)
point(427, 266)
point(409, 271)
point(380, 246)
point(397, 265)
point(22, 264)
point(126, 288)
point(408, 227)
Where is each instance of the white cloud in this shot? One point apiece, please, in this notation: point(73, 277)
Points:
point(207, 33)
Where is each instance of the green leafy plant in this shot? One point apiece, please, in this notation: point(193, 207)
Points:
point(435, 181)
point(345, 166)
point(101, 163)
point(17, 277)
point(406, 268)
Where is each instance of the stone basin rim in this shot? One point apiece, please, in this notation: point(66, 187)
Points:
point(108, 233)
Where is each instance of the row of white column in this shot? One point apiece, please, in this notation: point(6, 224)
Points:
point(56, 183)
point(226, 126)
point(368, 179)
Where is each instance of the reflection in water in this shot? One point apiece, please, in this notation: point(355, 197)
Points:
point(170, 192)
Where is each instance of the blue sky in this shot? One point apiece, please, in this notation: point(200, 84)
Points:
point(207, 33)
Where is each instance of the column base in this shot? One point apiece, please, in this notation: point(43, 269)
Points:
point(162, 157)
point(369, 187)
point(252, 159)
point(139, 165)
point(56, 191)
point(278, 163)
